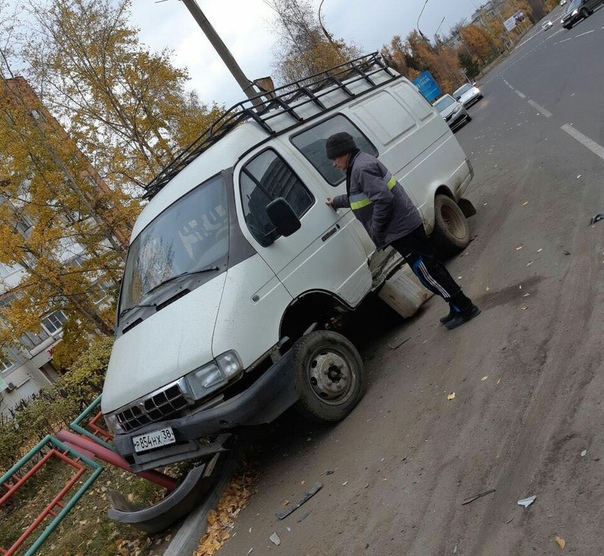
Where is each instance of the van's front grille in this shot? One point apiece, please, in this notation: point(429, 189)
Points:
point(157, 406)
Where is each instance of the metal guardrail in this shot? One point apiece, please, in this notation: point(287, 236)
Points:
point(11, 482)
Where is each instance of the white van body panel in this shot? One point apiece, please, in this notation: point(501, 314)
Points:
point(253, 298)
point(324, 255)
point(164, 347)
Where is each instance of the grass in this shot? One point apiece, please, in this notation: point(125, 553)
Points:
point(86, 530)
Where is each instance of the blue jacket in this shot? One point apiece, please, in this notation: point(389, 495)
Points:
point(378, 201)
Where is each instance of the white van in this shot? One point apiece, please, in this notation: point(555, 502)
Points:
point(237, 267)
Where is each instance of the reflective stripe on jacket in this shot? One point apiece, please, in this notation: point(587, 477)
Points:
point(378, 201)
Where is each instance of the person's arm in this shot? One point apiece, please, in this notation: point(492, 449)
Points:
point(338, 202)
point(382, 200)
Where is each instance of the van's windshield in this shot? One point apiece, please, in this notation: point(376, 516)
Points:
point(189, 236)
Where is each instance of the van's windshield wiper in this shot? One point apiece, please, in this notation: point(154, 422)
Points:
point(188, 273)
point(128, 309)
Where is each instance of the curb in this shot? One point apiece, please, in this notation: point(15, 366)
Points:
point(189, 535)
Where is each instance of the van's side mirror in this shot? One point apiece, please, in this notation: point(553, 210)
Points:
point(283, 217)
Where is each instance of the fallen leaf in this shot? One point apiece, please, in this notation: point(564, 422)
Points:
point(451, 396)
point(561, 542)
point(285, 502)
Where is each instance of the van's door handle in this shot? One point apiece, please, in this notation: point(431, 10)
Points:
point(330, 233)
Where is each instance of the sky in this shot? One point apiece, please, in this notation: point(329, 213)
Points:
point(245, 28)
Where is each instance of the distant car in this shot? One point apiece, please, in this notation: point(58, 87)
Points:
point(546, 25)
point(562, 2)
point(468, 94)
point(452, 111)
point(578, 10)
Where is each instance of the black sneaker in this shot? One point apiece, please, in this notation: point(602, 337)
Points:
point(448, 318)
point(463, 317)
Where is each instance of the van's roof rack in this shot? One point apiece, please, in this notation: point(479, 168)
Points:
point(283, 100)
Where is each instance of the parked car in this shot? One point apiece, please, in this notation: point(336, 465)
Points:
point(546, 25)
point(578, 10)
point(237, 271)
point(562, 2)
point(452, 111)
point(468, 94)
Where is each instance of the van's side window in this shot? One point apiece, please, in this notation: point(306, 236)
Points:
point(263, 179)
point(311, 143)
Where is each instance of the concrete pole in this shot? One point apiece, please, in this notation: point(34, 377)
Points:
point(246, 85)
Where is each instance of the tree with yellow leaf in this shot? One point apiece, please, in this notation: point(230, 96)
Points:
point(125, 106)
point(306, 48)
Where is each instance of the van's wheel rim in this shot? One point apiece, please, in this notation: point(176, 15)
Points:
point(331, 377)
point(454, 222)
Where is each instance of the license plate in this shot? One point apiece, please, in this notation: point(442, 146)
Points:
point(152, 440)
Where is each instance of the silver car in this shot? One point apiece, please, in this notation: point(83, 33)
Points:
point(452, 111)
point(468, 94)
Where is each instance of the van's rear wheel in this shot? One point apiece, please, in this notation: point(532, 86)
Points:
point(329, 376)
point(451, 230)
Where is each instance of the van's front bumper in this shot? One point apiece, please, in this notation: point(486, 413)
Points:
point(266, 399)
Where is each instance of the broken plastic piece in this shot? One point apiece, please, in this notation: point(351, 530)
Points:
point(526, 502)
point(596, 218)
point(583, 453)
point(275, 539)
point(306, 498)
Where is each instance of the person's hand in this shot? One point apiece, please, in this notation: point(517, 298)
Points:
point(329, 203)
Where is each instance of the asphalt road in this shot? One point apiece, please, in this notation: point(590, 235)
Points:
point(527, 373)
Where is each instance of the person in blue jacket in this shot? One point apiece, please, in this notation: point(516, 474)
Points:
point(381, 204)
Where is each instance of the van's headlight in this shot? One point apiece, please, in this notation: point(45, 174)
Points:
point(575, 12)
point(113, 424)
point(214, 375)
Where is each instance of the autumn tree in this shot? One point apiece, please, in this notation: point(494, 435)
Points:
point(478, 42)
point(305, 48)
point(396, 55)
point(111, 91)
point(59, 223)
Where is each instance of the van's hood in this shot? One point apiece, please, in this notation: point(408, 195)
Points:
point(164, 347)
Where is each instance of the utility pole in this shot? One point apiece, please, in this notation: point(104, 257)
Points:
point(417, 24)
point(246, 85)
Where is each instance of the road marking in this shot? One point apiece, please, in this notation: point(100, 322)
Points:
point(583, 34)
point(565, 40)
point(539, 108)
point(521, 95)
point(584, 140)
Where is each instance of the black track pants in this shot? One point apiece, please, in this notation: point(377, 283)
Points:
point(420, 256)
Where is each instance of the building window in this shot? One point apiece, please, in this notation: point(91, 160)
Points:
point(54, 323)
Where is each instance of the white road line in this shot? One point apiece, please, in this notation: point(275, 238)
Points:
point(583, 34)
point(521, 95)
point(545, 112)
point(565, 40)
point(584, 140)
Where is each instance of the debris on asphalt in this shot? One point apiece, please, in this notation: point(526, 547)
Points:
point(451, 396)
point(329, 472)
point(518, 248)
point(529, 263)
point(561, 542)
point(286, 502)
point(274, 538)
point(525, 203)
point(583, 453)
point(477, 496)
point(526, 502)
point(305, 499)
point(484, 378)
point(304, 516)
point(344, 483)
point(596, 218)
point(250, 551)
point(395, 347)
point(539, 250)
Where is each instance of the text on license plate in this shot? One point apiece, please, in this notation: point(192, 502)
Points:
point(155, 439)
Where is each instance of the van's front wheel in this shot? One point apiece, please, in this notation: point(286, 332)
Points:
point(451, 230)
point(329, 376)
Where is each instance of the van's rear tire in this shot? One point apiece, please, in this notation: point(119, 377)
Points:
point(329, 376)
point(451, 229)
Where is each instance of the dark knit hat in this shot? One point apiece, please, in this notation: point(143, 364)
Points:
point(339, 144)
